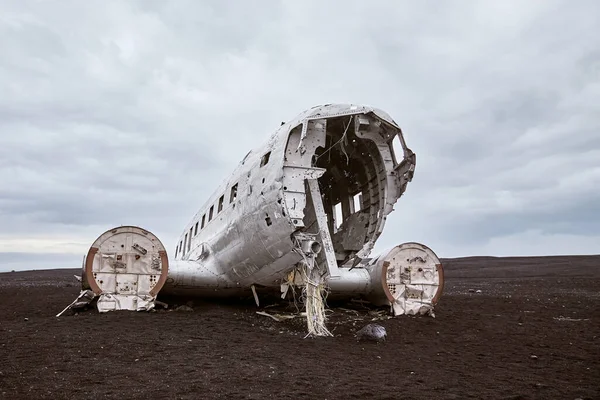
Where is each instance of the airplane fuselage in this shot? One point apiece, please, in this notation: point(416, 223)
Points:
point(241, 236)
point(321, 186)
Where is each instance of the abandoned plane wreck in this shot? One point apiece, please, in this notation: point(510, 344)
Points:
point(302, 212)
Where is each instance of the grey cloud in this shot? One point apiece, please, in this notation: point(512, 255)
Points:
point(133, 112)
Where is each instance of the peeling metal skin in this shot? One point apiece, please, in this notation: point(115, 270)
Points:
point(333, 173)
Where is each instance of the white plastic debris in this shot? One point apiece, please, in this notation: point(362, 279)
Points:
point(276, 317)
point(84, 298)
point(112, 301)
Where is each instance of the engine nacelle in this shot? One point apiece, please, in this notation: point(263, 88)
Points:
point(409, 277)
point(126, 267)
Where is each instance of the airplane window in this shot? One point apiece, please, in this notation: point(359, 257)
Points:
point(357, 201)
point(265, 159)
point(233, 195)
point(338, 215)
point(221, 204)
point(397, 150)
point(185, 242)
point(196, 229)
point(203, 220)
point(210, 212)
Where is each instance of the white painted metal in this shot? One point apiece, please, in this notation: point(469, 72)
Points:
point(249, 240)
point(315, 195)
point(124, 267)
point(412, 278)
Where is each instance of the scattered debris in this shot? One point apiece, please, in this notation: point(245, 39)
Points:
point(84, 298)
point(380, 315)
point(255, 295)
point(278, 317)
point(184, 308)
point(372, 332)
point(534, 357)
point(77, 277)
point(160, 303)
point(569, 319)
point(113, 301)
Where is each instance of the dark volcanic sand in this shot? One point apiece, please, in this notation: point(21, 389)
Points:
point(533, 332)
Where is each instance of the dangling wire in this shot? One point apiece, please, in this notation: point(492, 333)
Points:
point(333, 145)
point(314, 292)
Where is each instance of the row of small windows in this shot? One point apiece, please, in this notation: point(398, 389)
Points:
point(186, 244)
point(187, 241)
point(341, 212)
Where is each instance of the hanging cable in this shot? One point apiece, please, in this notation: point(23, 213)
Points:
point(342, 138)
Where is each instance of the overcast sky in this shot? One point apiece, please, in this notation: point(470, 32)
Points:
point(132, 112)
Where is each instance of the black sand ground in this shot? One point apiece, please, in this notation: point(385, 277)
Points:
point(532, 333)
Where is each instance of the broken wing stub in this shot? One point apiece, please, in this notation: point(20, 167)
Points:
point(125, 269)
point(412, 278)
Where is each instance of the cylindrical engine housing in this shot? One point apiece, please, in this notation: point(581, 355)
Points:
point(410, 277)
